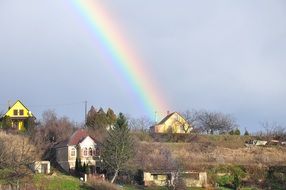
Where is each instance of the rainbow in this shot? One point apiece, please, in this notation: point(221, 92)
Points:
point(122, 58)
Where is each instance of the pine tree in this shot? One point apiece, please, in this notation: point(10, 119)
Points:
point(84, 168)
point(118, 146)
point(237, 132)
point(76, 168)
point(246, 133)
point(111, 118)
point(79, 165)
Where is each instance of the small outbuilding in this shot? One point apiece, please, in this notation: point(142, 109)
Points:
point(42, 167)
point(163, 178)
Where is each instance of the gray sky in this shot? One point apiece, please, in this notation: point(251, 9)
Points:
point(226, 56)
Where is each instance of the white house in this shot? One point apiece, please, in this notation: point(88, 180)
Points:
point(80, 145)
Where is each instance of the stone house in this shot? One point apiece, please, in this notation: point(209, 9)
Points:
point(79, 146)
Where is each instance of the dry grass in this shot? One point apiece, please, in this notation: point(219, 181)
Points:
point(102, 185)
point(207, 150)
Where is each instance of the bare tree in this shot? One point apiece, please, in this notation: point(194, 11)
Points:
point(191, 117)
point(16, 155)
point(215, 122)
point(140, 124)
point(51, 130)
point(273, 130)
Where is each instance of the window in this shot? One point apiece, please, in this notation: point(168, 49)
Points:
point(90, 151)
point(15, 112)
point(155, 176)
point(85, 152)
point(73, 152)
point(21, 112)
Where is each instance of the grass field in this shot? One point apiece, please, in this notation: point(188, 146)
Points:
point(58, 181)
point(64, 182)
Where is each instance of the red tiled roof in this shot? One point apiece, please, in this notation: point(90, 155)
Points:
point(75, 139)
point(77, 136)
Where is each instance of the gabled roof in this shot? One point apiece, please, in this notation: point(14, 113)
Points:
point(166, 118)
point(14, 105)
point(78, 136)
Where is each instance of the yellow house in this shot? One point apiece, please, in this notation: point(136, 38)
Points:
point(18, 116)
point(172, 123)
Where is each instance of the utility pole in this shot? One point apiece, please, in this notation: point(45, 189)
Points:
point(155, 117)
point(85, 112)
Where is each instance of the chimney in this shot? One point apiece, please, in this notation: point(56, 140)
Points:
point(9, 105)
point(168, 112)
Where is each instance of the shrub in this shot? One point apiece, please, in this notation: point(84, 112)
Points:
point(102, 185)
point(231, 178)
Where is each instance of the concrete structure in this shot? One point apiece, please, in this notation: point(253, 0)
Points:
point(172, 123)
point(163, 178)
point(79, 146)
point(42, 167)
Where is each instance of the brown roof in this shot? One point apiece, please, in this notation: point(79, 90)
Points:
point(77, 136)
point(75, 139)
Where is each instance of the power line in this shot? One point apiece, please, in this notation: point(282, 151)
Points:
point(58, 105)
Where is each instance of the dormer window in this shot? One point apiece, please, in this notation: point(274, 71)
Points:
point(15, 112)
point(21, 112)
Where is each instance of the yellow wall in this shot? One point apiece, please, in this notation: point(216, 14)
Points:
point(20, 124)
point(18, 106)
point(19, 118)
point(174, 125)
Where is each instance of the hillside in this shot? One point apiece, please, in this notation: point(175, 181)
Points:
point(207, 150)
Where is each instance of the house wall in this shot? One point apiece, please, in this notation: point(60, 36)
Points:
point(200, 182)
point(175, 124)
point(20, 119)
point(71, 159)
point(18, 106)
point(38, 166)
point(163, 180)
point(62, 157)
point(67, 160)
point(155, 179)
point(87, 159)
point(20, 123)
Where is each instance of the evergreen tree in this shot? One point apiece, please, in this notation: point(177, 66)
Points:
point(237, 132)
point(246, 133)
point(90, 117)
point(111, 118)
point(96, 119)
point(76, 164)
point(6, 123)
point(79, 165)
point(118, 146)
point(83, 168)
